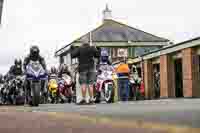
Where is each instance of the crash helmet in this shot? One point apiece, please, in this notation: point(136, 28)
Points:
point(63, 68)
point(104, 55)
point(34, 51)
point(18, 62)
point(1, 77)
point(53, 70)
point(104, 52)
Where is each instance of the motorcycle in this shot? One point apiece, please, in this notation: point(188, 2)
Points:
point(17, 90)
point(1, 93)
point(104, 88)
point(35, 74)
point(14, 91)
point(53, 89)
point(5, 93)
point(65, 88)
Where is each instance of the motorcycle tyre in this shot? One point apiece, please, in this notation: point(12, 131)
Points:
point(111, 100)
point(69, 100)
point(36, 95)
point(97, 97)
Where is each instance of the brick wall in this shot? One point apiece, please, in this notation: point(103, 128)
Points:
point(167, 81)
point(148, 79)
point(191, 75)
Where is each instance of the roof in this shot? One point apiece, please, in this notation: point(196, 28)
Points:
point(171, 48)
point(113, 31)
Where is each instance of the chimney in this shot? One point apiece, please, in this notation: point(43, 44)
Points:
point(107, 14)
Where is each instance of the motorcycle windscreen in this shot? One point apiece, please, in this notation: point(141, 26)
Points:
point(36, 72)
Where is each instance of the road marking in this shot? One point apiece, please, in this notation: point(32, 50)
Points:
point(126, 123)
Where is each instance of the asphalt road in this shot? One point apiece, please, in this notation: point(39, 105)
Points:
point(180, 115)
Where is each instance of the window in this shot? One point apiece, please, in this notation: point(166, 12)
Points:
point(131, 52)
point(114, 52)
point(121, 52)
point(109, 51)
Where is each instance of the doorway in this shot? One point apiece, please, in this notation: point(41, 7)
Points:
point(156, 80)
point(178, 78)
point(139, 71)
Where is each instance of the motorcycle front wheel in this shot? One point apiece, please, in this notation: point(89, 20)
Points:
point(109, 94)
point(35, 94)
point(97, 97)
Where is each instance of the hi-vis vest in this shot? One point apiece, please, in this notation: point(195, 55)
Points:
point(123, 68)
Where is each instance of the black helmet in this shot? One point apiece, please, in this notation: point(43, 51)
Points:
point(53, 70)
point(18, 61)
point(34, 51)
point(1, 76)
point(64, 68)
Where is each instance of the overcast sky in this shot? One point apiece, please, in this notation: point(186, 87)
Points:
point(55, 23)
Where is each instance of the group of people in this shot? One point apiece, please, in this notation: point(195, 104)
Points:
point(87, 68)
point(19, 68)
point(130, 85)
point(87, 76)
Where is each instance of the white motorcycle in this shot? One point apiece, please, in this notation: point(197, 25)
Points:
point(104, 89)
point(65, 88)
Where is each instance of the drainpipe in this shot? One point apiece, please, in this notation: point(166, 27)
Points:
point(142, 68)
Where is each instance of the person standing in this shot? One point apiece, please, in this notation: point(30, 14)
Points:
point(87, 75)
point(123, 73)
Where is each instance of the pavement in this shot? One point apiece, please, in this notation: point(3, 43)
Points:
point(162, 116)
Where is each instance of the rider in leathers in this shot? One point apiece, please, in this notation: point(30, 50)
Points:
point(1, 89)
point(64, 69)
point(1, 79)
point(35, 56)
point(104, 60)
point(16, 69)
point(53, 71)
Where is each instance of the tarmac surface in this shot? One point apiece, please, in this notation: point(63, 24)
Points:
point(154, 116)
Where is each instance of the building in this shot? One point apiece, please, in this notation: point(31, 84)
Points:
point(179, 68)
point(121, 40)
